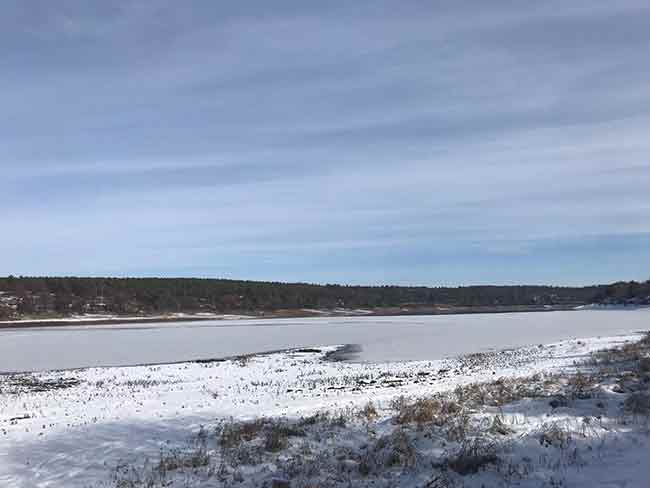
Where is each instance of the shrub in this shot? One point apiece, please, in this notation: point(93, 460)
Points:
point(644, 365)
point(275, 438)
point(395, 449)
point(638, 403)
point(233, 434)
point(499, 427)
point(473, 455)
point(554, 435)
point(369, 412)
point(582, 385)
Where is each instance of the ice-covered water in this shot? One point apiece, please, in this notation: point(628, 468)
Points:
point(381, 338)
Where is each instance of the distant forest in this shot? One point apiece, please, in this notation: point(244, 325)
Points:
point(66, 295)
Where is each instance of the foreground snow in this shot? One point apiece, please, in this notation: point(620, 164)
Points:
point(72, 428)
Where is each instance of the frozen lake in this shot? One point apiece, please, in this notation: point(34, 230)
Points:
point(381, 338)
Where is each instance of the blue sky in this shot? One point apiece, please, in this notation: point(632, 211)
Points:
point(356, 142)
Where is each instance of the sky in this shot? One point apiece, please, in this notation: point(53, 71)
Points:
point(368, 142)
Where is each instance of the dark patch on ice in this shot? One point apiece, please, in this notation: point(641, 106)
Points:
point(246, 357)
point(347, 352)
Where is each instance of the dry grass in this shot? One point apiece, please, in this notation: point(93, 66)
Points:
point(437, 410)
point(473, 455)
point(274, 433)
point(369, 413)
point(637, 352)
point(233, 434)
point(638, 403)
point(582, 385)
point(555, 435)
point(506, 390)
point(393, 450)
point(499, 427)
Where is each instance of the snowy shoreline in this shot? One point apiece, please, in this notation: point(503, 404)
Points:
point(116, 320)
point(99, 319)
point(56, 426)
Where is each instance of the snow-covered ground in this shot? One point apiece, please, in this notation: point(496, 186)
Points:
point(72, 428)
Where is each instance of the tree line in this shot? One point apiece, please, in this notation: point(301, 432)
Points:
point(34, 295)
point(625, 292)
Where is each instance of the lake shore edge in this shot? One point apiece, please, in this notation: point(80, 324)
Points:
point(281, 314)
